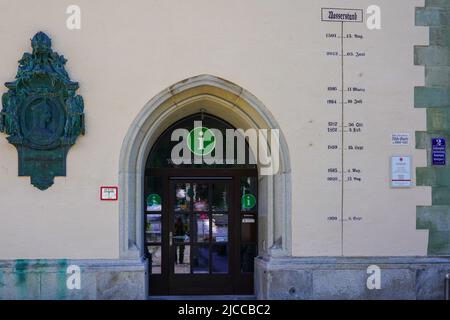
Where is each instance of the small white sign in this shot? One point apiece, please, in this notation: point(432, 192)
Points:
point(342, 15)
point(400, 139)
point(401, 172)
point(109, 193)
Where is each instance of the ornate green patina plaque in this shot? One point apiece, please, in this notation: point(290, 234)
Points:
point(42, 114)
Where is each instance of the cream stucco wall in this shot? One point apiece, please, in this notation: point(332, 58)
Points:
point(128, 51)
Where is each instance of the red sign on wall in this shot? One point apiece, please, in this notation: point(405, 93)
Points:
point(109, 193)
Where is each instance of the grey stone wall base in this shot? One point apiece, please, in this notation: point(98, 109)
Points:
point(46, 280)
point(402, 278)
point(276, 278)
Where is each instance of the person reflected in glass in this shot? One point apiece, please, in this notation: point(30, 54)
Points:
point(180, 235)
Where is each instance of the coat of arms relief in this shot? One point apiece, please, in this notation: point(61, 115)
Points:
point(42, 114)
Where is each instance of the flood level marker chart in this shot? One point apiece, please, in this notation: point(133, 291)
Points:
point(346, 93)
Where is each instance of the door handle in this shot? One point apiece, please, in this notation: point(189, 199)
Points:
point(170, 238)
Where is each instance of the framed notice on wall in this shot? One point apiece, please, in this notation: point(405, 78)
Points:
point(401, 172)
point(109, 193)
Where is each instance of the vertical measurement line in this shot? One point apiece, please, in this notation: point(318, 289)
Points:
point(342, 139)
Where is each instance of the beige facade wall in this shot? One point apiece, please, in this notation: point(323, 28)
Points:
point(128, 51)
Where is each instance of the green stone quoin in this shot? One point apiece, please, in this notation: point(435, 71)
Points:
point(42, 115)
point(435, 97)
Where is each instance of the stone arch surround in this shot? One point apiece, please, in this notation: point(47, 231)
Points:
point(225, 100)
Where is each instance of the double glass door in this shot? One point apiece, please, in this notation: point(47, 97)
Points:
point(201, 236)
point(199, 239)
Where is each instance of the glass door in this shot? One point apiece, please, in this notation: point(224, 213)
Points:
point(199, 239)
point(201, 231)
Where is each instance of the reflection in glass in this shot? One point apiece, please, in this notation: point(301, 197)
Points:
point(155, 252)
point(220, 227)
point(202, 227)
point(153, 193)
point(182, 263)
point(220, 197)
point(219, 258)
point(249, 187)
point(153, 228)
point(183, 194)
point(200, 195)
point(154, 202)
point(200, 259)
point(248, 254)
point(181, 228)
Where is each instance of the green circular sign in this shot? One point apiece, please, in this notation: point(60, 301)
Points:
point(248, 201)
point(153, 200)
point(201, 141)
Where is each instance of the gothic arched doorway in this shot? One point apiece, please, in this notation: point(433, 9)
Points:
point(224, 100)
point(200, 219)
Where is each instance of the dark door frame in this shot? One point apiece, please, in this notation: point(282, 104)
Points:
point(238, 282)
